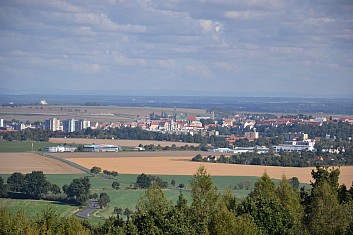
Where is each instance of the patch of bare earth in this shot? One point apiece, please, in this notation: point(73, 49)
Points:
point(28, 162)
point(129, 143)
point(179, 163)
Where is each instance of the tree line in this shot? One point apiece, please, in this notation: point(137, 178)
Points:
point(341, 130)
point(117, 133)
point(288, 159)
point(34, 185)
point(326, 208)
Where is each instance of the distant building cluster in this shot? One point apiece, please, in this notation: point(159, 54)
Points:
point(70, 125)
point(182, 123)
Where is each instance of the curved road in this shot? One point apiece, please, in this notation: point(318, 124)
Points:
point(92, 205)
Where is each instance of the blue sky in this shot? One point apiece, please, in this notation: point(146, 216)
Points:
point(178, 47)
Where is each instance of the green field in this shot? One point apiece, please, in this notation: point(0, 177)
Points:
point(129, 197)
point(23, 146)
point(125, 197)
point(32, 208)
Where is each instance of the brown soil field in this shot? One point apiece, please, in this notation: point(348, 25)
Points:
point(179, 163)
point(28, 162)
point(93, 113)
point(128, 143)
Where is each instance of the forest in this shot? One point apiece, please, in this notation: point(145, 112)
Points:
point(325, 208)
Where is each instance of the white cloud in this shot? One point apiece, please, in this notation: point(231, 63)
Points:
point(167, 64)
point(243, 15)
point(198, 70)
point(210, 26)
point(87, 68)
point(123, 60)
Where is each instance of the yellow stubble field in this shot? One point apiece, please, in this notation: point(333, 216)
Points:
point(28, 162)
point(179, 163)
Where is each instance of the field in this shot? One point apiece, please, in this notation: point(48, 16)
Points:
point(32, 208)
point(169, 165)
point(123, 198)
point(28, 162)
point(127, 143)
point(93, 113)
point(179, 163)
point(22, 146)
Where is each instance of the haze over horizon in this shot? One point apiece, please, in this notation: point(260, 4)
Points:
point(272, 48)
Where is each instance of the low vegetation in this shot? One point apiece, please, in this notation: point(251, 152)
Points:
point(326, 208)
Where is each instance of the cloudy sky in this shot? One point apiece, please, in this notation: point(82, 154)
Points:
point(178, 47)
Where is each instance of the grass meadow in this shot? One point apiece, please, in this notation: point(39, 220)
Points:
point(23, 146)
point(123, 198)
point(32, 208)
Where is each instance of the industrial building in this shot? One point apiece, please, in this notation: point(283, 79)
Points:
point(101, 148)
point(60, 149)
point(295, 146)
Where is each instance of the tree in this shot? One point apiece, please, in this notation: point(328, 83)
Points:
point(181, 186)
point(290, 200)
point(264, 205)
point(226, 223)
point(104, 200)
point(116, 185)
point(323, 173)
point(127, 213)
point(326, 216)
point(114, 173)
point(3, 190)
point(173, 183)
point(78, 190)
point(269, 215)
point(36, 184)
point(265, 188)
point(96, 170)
point(118, 211)
point(143, 181)
point(55, 189)
point(197, 158)
point(152, 215)
point(16, 182)
point(294, 182)
point(204, 196)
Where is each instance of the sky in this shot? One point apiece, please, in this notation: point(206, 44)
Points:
point(273, 48)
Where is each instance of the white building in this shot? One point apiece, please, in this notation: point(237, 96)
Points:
point(295, 146)
point(60, 149)
point(86, 123)
point(53, 124)
point(101, 148)
point(1, 122)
